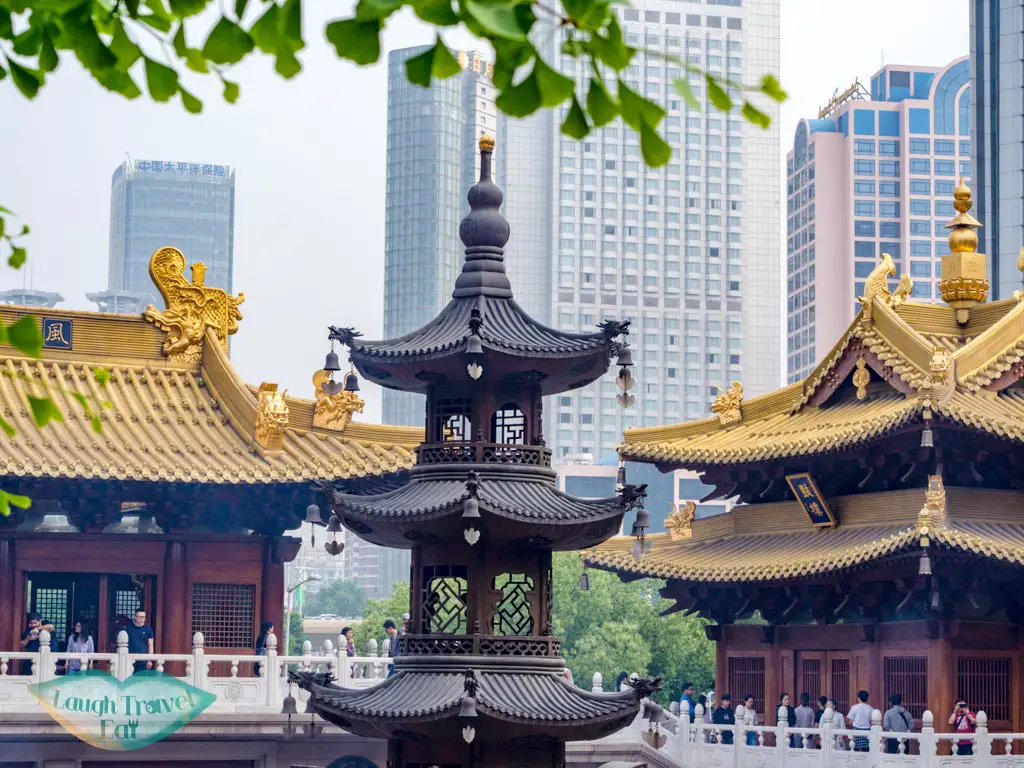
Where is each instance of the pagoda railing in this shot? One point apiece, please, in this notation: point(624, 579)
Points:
point(483, 453)
point(479, 645)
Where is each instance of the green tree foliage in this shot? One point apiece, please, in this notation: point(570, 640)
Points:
point(296, 634)
point(342, 598)
point(616, 627)
point(379, 611)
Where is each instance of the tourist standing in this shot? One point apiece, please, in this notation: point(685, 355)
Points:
point(687, 697)
point(750, 718)
point(620, 682)
point(79, 641)
point(261, 644)
point(30, 639)
point(140, 640)
point(725, 717)
point(804, 717)
point(350, 643)
point(896, 720)
point(963, 721)
point(860, 720)
point(790, 717)
point(392, 637)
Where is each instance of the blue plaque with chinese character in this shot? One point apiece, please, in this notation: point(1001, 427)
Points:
point(56, 333)
point(810, 498)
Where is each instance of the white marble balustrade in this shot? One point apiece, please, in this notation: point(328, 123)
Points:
point(240, 690)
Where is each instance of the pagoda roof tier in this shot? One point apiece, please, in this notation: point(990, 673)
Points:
point(483, 329)
point(900, 367)
point(167, 411)
point(775, 543)
point(513, 503)
point(512, 698)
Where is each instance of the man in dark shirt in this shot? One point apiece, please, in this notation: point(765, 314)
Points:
point(140, 639)
point(724, 716)
point(30, 639)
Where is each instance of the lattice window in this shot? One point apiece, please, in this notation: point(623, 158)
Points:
point(985, 685)
point(746, 675)
point(51, 603)
point(127, 602)
point(907, 676)
point(224, 613)
point(841, 684)
point(452, 420)
point(509, 425)
point(810, 678)
point(512, 613)
point(444, 599)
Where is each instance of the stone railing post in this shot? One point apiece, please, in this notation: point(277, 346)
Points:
point(875, 742)
point(828, 741)
point(371, 647)
point(739, 736)
point(781, 723)
point(328, 650)
point(685, 734)
point(674, 708)
point(199, 659)
point(45, 662)
point(929, 743)
point(307, 653)
point(982, 743)
point(344, 674)
point(271, 670)
point(597, 683)
point(123, 666)
point(700, 735)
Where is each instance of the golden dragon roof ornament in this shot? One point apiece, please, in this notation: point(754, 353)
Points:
point(680, 522)
point(729, 404)
point(192, 307)
point(271, 417)
point(333, 411)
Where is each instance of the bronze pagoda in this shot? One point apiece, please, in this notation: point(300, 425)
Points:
point(478, 679)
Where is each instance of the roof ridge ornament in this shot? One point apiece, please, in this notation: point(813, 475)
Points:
point(877, 283)
point(680, 521)
point(192, 306)
point(333, 410)
point(271, 417)
point(729, 404)
point(964, 280)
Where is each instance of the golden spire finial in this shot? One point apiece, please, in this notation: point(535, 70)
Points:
point(964, 280)
point(486, 143)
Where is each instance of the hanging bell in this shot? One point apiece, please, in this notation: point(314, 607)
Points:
point(331, 364)
point(625, 356)
point(925, 566)
point(471, 508)
point(351, 382)
point(467, 707)
point(620, 476)
point(334, 524)
point(927, 440)
point(642, 522)
point(584, 581)
point(309, 707)
point(288, 707)
point(473, 346)
point(313, 515)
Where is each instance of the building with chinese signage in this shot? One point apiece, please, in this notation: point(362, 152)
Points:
point(880, 541)
point(157, 203)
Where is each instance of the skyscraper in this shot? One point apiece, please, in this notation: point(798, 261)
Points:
point(154, 203)
point(873, 173)
point(688, 252)
point(997, 103)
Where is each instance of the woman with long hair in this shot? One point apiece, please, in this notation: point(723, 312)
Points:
point(620, 681)
point(261, 644)
point(80, 641)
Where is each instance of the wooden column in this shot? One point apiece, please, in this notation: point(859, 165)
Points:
point(272, 608)
point(9, 631)
point(722, 666)
point(175, 635)
point(942, 691)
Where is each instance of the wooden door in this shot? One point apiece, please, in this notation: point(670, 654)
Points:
point(826, 673)
point(811, 675)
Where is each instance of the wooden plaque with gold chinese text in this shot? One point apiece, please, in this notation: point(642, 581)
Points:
point(809, 497)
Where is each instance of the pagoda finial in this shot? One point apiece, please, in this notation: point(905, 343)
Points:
point(484, 232)
point(964, 280)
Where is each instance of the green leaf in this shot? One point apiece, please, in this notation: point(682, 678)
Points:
point(25, 336)
point(8, 500)
point(656, 150)
point(96, 423)
point(231, 92)
point(6, 28)
point(17, 257)
point(102, 376)
point(266, 32)
point(240, 6)
point(3, 73)
point(611, 49)
point(24, 229)
point(498, 19)
point(771, 88)
point(286, 64)
point(636, 110)
point(356, 40)
point(522, 99)
point(123, 48)
point(162, 81)
point(86, 42)
point(554, 86)
point(508, 57)
point(184, 8)
point(191, 103)
point(684, 89)
point(436, 61)
point(595, 15)
point(291, 17)
point(28, 81)
point(193, 57)
point(28, 42)
point(575, 123)
point(437, 12)
point(48, 59)
point(377, 9)
point(7, 428)
point(756, 116)
point(600, 105)
point(717, 94)
point(81, 399)
point(44, 410)
point(119, 82)
point(159, 23)
point(3, 226)
point(228, 43)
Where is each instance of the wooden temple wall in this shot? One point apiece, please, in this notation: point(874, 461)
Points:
point(224, 586)
point(930, 666)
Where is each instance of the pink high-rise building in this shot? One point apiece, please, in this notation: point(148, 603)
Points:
point(873, 174)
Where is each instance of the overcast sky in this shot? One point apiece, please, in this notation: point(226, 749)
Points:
point(309, 158)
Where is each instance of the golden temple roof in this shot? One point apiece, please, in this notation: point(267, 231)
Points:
point(178, 414)
point(772, 542)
